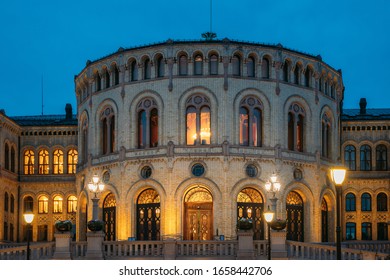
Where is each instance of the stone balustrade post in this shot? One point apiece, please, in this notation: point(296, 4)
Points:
point(278, 245)
point(245, 245)
point(62, 251)
point(170, 249)
point(95, 245)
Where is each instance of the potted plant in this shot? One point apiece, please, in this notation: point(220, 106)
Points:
point(278, 224)
point(245, 224)
point(95, 225)
point(63, 226)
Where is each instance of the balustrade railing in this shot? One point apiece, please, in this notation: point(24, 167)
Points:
point(133, 249)
point(78, 249)
point(260, 247)
point(374, 246)
point(206, 249)
point(41, 251)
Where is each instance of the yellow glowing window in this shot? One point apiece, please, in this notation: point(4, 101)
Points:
point(28, 162)
point(72, 204)
point(43, 165)
point(72, 161)
point(57, 205)
point(58, 162)
point(43, 205)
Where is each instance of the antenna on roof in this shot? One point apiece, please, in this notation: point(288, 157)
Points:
point(209, 36)
point(42, 91)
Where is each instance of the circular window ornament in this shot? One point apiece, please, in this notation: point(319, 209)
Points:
point(298, 175)
point(251, 170)
point(197, 170)
point(146, 172)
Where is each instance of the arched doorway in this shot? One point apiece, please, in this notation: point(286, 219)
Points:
point(148, 215)
point(250, 205)
point(294, 209)
point(198, 214)
point(324, 221)
point(109, 217)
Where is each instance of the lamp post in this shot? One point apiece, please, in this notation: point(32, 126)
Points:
point(338, 176)
point(269, 216)
point(96, 187)
point(28, 218)
point(273, 186)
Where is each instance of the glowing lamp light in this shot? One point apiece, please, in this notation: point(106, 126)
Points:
point(277, 186)
point(95, 179)
point(101, 187)
point(268, 186)
point(338, 175)
point(28, 217)
point(273, 178)
point(268, 215)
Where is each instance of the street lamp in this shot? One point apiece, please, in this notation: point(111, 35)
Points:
point(273, 186)
point(338, 176)
point(96, 187)
point(269, 216)
point(28, 218)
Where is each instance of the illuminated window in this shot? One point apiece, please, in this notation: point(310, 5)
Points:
point(296, 116)
point(350, 157)
point(43, 163)
point(107, 119)
point(365, 158)
point(147, 123)
point(198, 65)
point(198, 120)
point(72, 204)
point(28, 162)
point(250, 122)
point(57, 204)
point(43, 205)
point(72, 161)
point(58, 162)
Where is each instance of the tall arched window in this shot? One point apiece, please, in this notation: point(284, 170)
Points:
point(308, 74)
point(28, 162)
point(58, 162)
point(57, 204)
point(43, 204)
point(213, 64)
point(365, 158)
point(295, 217)
point(160, 67)
point(198, 120)
point(84, 140)
point(13, 159)
point(147, 69)
point(115, 71)
point(366, 231)
point(326, 137)
point(198, 64)
point(72, 204)
point(286, 71)
point(43, 163)
point(350, 231)
point(12, 203)
point(183, 65)
point(350, 202)
point(6, 157)
point(366, 202)
point(381, 202)
point(320, 84)
point(265, 68)
point(98, 82)
point(148, 215)
point(296, 117)
point(147, 123)
point(250, 66)
point(72, 161)
point(133, 70)
point(350, 157)
point(28, 204)
point(236, 64)
point(107, 79)
point(107, 119)
point(6, 202)
point(297, 74)
point(251, 122)
point(381, 158)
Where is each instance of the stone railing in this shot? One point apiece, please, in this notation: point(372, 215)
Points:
point(78, 250)
point(133, 250)
point(261, 249)
point(41, 251)
point(206, 249)
point(373, 246)
point(316, 251)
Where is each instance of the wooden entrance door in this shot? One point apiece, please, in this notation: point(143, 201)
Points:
point(198, 221)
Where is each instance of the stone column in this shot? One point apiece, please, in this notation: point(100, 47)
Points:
point(95, 245)
point(245, 245)
point(278, 245)
point(62, 251)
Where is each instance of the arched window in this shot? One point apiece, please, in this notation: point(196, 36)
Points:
point(251, 122)
point(43, 163)
point(250, 67)
point(148, 215)
point(57, 204)
point(286, 71)
point(28, 204)
point(98, 82)
point(213, 64)
point(147, 123)
point(147, 69)
point(12, 203)
point(13, 159)
point(366, 202)
point(160, 67)
point(296, 116)
point(350, 157)
point(308, 74)
point(366, 231)
point(72, 204)
point(43, 205)
point(198, 65)
point(198, 120)
point(381, 158)
point(28, 162)
point(115, 71)
point(236, 63)
point(326, 133)
point(320, 84)
point(6, 157)
point(133, 71)
point(58, 162)
point(265, 68)
point(107, 80)
point(183, 65)
point(381, 202)
point(295, 217)
point(297, 74)
point(350, 202)
point(6, 201)
point(350, 231)
point(365, 158)
point(72, 161)
point(107, 119)
point(332, 90)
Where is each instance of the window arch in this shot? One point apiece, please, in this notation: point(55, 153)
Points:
point(236, 65)
point(160, 66)
point(308, 75)
point(57, 204)
point(350, 157)
point(350, 202)
point(213, 64)
point(366, 231)
point(13, 159)
point(147, 69)
point(286, 71)
point(28, 162)
point(115, 72)
point(6, 202)
point(6, 156)
point(198, 120)
point(365, 158)
point(43, 162)
point(98, 81)
point(84, 140)
point(72, 204)
point(295, 217)
point(350, 231)
point(133, 70)
point(107, 78)
point(183, 65)
point(326, 134)
point(297, 74)
point(43, 204)
point(250, 122)
point(107, 120)
point(381, 158)
point(147, 123)
point(72, 161)
point(198, 64)
point(250, 66)
point(265, 68)
point(296, 118)
point(381, 202)
point(148, 215)
point(366, 202)
point(28, 204)
point(12, 208)
point(58, 162)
